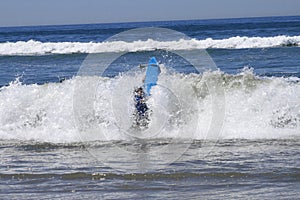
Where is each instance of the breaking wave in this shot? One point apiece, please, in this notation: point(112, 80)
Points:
point(33, 47)
point(255, 107)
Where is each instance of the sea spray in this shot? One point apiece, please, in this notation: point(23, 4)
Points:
point(256, 107)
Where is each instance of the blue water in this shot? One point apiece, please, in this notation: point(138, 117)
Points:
point(47, 151)
point(266, 61)
point(200, 29)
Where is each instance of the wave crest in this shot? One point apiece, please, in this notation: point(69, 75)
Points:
point(256, 107)
point(33, 47)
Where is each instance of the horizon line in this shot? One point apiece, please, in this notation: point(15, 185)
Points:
point(147, 21)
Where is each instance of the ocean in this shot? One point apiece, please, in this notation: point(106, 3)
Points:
point(224, 121)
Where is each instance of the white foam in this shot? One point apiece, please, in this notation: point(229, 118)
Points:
point(255, 108)
point(32, 47)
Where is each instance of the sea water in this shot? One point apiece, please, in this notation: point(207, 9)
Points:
point(226, 132)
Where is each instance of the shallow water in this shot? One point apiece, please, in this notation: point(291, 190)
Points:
point(231, 169)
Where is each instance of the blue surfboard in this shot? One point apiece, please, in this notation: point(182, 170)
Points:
point(152, 73)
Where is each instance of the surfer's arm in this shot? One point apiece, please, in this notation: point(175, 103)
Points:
point(142, 66)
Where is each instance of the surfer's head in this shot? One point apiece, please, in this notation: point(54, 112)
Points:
point(139, 90)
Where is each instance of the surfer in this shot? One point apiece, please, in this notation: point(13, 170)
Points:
point(142, 93)
point(141, 115)
point(140, 101)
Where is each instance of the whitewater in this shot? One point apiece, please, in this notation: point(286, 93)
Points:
point(33, 47)
point(254, 108)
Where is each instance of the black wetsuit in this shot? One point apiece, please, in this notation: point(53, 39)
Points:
point(140, 104)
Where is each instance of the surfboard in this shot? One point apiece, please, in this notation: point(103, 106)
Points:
point(152, 73)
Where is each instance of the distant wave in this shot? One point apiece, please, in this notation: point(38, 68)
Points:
point(33, 47)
